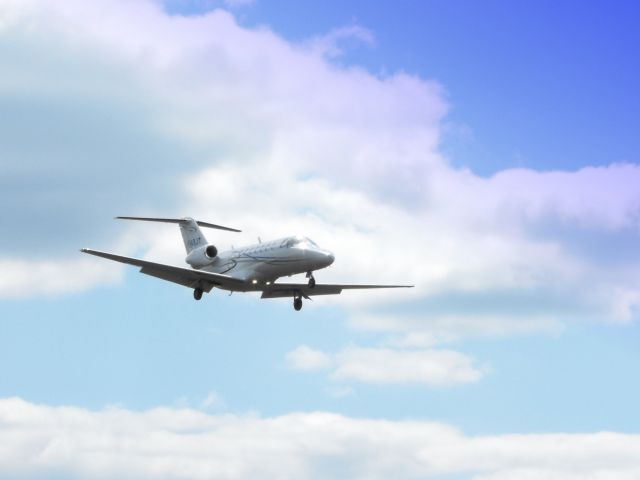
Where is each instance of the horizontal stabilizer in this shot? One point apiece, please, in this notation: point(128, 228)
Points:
point(181, 220)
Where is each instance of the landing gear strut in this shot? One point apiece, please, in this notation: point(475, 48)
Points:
point(312, 281)
point(197, 293)
point(297, 303)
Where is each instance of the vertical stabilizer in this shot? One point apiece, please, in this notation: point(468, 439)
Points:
point(191, 234)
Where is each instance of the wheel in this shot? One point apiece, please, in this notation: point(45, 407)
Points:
point(312, 282)
point(197, 293)
point(297, 303)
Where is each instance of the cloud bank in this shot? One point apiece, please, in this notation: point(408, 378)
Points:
point(165, 443)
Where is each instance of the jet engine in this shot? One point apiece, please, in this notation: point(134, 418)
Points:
point(203, 256)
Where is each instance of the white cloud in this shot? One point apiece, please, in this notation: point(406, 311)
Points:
point(340, 391)
point(385, 366)
point(238, 3)
point(428, 329)
point(166, 443)
point(306, 358)
point(240, 123)
point(23, 279)
point(212, 400)
point(379, 365)
point(329, 45)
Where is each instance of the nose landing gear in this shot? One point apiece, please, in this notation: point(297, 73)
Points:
point(312, 281)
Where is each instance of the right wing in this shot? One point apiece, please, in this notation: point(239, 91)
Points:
point(279, 290)
point(184, 276)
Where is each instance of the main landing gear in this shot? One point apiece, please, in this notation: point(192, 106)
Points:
point(312, 281)
point(197, 293)
point(297, 302)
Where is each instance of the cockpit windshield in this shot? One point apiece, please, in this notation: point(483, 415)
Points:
point(300, 242)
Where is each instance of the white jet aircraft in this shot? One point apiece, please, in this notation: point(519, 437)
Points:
point(250, 269)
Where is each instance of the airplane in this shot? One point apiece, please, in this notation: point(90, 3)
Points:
point(254, 268)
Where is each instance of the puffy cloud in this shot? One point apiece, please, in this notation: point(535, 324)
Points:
point(384, 365)
point(212, 400)
point(389, 366)
point(306, 358)
point(329, 44)
point(20, 279)
point(166, 443)
point(475, 271)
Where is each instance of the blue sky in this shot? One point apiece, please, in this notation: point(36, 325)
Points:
point(485, 151)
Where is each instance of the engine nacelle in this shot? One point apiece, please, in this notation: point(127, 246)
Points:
point(203, 256)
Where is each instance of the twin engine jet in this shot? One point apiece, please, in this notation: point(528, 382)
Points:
point(255, 268)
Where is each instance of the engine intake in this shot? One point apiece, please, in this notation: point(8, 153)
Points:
point(203, 256)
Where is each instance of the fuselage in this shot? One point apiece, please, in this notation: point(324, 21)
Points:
point(265, 262)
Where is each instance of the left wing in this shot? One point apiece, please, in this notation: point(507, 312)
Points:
point(183, 276)
point(278, 290)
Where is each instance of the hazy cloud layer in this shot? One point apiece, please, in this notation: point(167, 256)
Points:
point(166, 443)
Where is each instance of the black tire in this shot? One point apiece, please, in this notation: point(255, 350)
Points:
point(297, 304)
point(197, 293)
point(312, 282)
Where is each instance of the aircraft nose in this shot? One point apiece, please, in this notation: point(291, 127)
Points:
point(330, 258)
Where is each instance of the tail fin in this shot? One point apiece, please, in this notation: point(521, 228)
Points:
point(189, 228)
point(192, 236)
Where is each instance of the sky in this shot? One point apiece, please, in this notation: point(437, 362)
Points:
point(486, 152)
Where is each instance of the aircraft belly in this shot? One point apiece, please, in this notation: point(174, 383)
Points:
point(271, 270)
